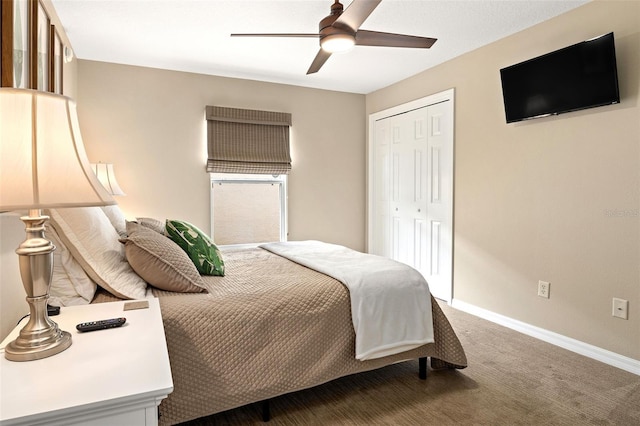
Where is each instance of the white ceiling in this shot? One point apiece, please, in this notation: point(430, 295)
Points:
point(193, 36)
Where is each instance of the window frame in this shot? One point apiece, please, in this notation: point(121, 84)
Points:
point(280, 180)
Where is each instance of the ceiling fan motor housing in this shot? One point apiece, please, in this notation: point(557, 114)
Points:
point(329, 31)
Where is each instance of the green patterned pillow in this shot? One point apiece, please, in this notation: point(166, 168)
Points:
point(201, 250)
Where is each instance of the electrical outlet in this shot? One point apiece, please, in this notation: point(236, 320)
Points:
point(620, 308)
point(543, 289)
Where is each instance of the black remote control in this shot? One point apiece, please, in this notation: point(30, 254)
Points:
point(100, 325)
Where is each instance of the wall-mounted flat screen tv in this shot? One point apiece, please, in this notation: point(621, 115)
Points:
point(580, 76)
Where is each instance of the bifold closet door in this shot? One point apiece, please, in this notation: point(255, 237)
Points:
point(408, 187)
point(438, 266)
point(412, 192)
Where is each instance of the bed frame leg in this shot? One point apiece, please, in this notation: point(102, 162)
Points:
point(266, 411)
point(422, 368)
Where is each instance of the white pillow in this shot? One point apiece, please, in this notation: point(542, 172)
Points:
point(93, 241)
point(70, 284)
point(117, 219)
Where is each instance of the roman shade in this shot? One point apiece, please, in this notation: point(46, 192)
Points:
point(247, 141)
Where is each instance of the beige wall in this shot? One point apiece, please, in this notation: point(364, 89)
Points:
point(12, 295)
point(150, 124)
point(540, 200)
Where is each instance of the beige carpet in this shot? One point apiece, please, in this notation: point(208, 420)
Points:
point(512, 379)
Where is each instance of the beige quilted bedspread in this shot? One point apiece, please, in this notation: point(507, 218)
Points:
point(267, 328)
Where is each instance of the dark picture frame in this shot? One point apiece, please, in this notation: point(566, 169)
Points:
point(57, 61)
point(31, 48)
point(20, 44)
point(41, 67)
point(14, 55)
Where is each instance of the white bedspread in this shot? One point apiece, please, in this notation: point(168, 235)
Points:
point(390, 301)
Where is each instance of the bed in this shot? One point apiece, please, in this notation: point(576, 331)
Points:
point(268, 327)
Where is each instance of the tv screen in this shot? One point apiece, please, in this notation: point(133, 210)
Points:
point(580, 76)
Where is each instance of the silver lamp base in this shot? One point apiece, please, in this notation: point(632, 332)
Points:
point(40, 337)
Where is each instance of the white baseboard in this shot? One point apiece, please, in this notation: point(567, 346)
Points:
point(625, 363)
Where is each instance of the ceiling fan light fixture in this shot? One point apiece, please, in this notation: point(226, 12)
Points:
point(337, 43)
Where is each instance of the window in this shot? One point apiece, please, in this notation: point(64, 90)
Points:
point(248, 208)
point(248, 160)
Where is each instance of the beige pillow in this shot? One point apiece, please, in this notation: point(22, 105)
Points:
point(93, 241)
point(70, 284)
point(160, 261)
point(116, 217)
point(155, 224)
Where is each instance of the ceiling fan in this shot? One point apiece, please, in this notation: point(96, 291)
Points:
point(341, 30)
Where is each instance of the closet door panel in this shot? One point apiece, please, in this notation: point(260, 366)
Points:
point(440, 200)
point(412, 189)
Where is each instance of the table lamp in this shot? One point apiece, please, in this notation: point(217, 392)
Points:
point(43, 164)
point(107, 177)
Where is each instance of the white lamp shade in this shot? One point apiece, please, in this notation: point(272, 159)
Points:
point(43, 163)
point(107, 177)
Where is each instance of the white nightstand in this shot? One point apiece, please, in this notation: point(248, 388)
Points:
point(108, 377)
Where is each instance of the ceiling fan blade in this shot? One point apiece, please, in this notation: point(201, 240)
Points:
point(276, 35)
point(318, 62)
point(375, 38)
point(356, 13)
